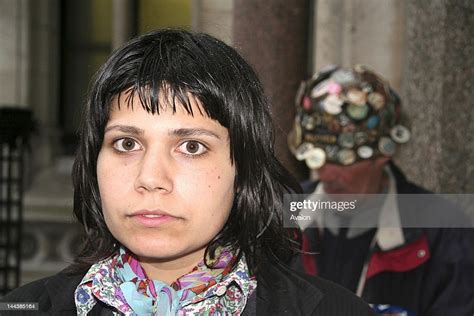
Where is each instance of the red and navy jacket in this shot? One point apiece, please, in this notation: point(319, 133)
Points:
point(432, 273)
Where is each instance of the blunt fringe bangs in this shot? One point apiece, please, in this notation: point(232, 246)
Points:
point(180, 64)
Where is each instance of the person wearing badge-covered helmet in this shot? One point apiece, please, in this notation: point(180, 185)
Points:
point(347, 128)
point(346, 116)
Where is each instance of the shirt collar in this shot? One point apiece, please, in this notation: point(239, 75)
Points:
point(389, 233)
point(237, 281)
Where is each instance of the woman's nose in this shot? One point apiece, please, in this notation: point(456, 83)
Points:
point(154, 174)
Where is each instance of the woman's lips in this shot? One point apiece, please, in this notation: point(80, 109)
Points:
point(152, 218)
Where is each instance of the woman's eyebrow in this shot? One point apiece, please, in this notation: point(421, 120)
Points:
point(126, 129)
point(187, 132)
point(180, 132)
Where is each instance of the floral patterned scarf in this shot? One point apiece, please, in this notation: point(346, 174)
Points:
point(121, 282)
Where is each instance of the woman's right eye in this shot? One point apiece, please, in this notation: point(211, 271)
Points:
point(126, 144)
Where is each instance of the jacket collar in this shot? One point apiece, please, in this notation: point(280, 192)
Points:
point(61, 288)
point(281, 290)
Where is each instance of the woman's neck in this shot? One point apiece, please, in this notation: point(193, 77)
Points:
point(168, 271)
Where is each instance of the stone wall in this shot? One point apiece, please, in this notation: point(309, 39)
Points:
point(437, 92)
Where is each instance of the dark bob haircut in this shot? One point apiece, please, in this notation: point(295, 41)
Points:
point(178, 63)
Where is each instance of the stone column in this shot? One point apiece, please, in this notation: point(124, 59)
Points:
point(438, 94)
point(14, 57)
point(213, 17)
point(272, 37)
point(327, 33)
point(43, 79)
point(370, 32)
point(124, 21)
point(29, 49)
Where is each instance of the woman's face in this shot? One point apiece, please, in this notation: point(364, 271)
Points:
point(166, 181)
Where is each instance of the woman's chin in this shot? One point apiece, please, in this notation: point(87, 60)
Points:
point(162, 252)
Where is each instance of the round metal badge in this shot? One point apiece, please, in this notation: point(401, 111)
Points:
point(302, 151)
point(356, 96)
point(343, 77)
point(376, 100)
point(346, 157)
point(320, 89)
point(334, 88)
point(315, 158)
point(372, 122)
point(400, 134)
point(360, 138)
point(346, 140)
point(357, 112)
point(387, 146)
point(332, 104)
point(365, 152)
point(307, 104)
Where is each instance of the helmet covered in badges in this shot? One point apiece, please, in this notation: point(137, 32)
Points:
point(344, 116)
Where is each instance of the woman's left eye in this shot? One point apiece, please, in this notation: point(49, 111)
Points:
point(192, 148)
